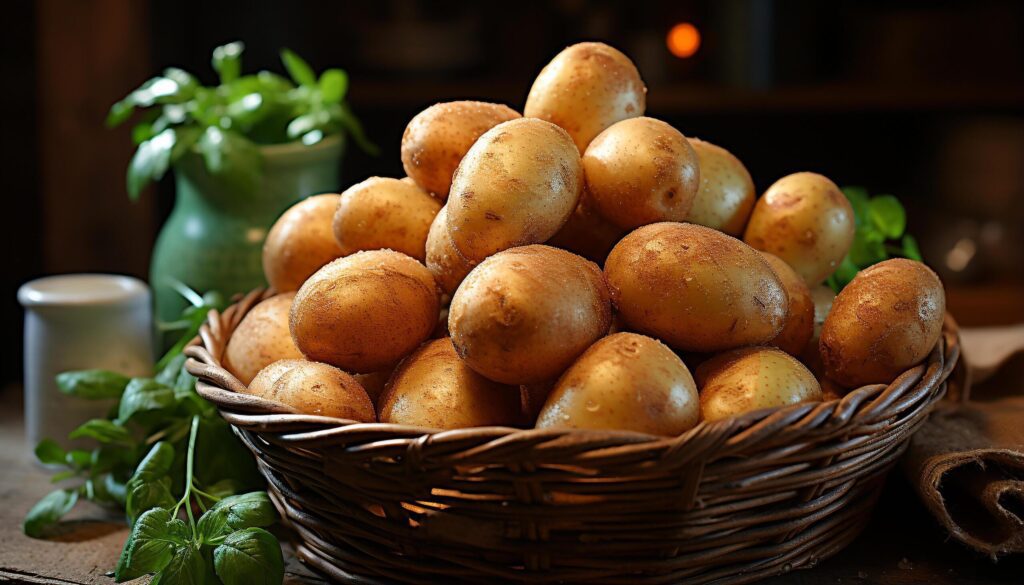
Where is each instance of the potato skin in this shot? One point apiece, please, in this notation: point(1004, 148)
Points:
point(799, 325)
point(695, 288)
point(588, 234)
point(517, 185)
point(752, 378)
point(726, 195)
point(261, 339)
point(806, 220)
point(641, 171)
point(625, 382)
point(314, 388)
point(382, 213)
point(433, 388)
point(886, 320)
point(585, 89)
point(300, 242)
point(523, 315)
point(437, 138)
point(444, 260)
point(366, 311)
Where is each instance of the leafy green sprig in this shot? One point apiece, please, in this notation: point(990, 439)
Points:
point(224, 124)
point(145, 412)
point(881, 224)
point(226, 544)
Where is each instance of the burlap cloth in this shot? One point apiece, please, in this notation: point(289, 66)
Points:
point(967, 462)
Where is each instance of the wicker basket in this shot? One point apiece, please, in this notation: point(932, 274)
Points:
point(728, 502)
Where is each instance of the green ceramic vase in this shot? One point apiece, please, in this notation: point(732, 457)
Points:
point(213, 238)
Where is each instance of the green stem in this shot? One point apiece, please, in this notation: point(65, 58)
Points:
point(189, 465)
point(206, 495)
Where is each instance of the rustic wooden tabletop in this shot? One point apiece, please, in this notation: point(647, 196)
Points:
point(902, 545)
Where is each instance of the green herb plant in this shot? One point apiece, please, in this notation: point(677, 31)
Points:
point(145, 413)
point(226, 544)
point(224, 124)
point(881, 224)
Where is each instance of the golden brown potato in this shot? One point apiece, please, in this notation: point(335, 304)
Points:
point(313, 388)
point(800, 311)
point(374, 383)
point(382, 214)
point(628, 382)
point(517, 185)
point(437, 138)
point(695, 288)
point(588, 234)
point(641, 171)
point(523, 315)
point(261, 339)
point(807, 221)
point(752, 378)
point(444, 260)
point(585, 89)
point(366, 311)
point(300, 242)
point(726, 193)
point(433, 388)
point(884, 322)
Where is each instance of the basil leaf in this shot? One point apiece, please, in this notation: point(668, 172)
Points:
point(249, 557)
point(78, 458)
point(187, 567)
point(144, 395)
point(104, 431)
point(115, 489)
point(48, 511)
point(146, 493)
point(300, 71)
point(158, 461)
point(910, 248)
point(227, 61)
point(150, 161)
point(92, 384)
point(120, 112)
point(867, 248)
point(62, 475)
point(887, 215)
point(150, 546)
point(859, 198)
point(333, 85)
point(232, 157)
point(50, 453)
point(249, 510)
point(168, 375)
point(212, 525)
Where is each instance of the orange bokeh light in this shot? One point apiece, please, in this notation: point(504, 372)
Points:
point(683, 40)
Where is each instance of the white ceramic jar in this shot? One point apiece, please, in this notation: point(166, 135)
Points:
point(79, 322)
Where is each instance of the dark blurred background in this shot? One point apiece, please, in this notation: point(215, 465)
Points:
point(924, 100)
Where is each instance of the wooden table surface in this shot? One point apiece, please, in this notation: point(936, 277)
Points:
point(902, 545)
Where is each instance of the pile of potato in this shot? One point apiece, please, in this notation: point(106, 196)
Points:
point(471, 293)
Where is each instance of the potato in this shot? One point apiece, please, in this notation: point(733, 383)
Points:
point(752, 378)
point(517, 185)
point(300, 242)
point(523, 315)
point(444, 260)
point(261, 339)
point(587, 234)
point(886, 320)
point(628, 382)
point(365, 312)
point(641, 171)
point(437, 138)
point(314, 388)
point(695, 288)
point(374, 383)
point(433, 388)
point(726, 193)
point(384, 213)
point(799, 325)
point(585, 89)
point(807, 221)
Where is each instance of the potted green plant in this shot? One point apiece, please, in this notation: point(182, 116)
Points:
point(242, 152)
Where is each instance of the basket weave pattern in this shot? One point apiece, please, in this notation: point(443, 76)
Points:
point(727, 502)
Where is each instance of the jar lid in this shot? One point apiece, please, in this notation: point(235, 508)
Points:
point(82, 290)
